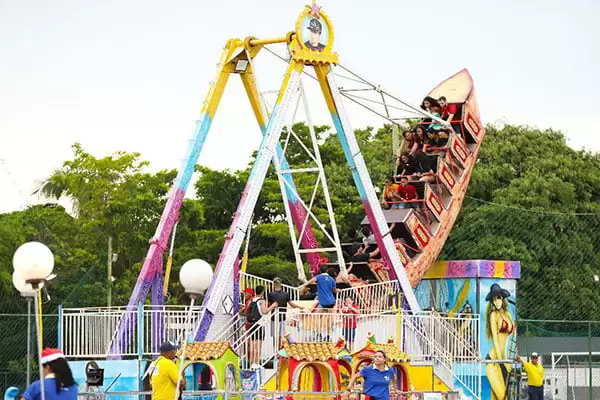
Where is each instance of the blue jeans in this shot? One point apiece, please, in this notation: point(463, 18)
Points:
point(536, 392)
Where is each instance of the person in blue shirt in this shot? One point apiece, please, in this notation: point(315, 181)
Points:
point(325, 287)
point(58, 379)
point(377, 378)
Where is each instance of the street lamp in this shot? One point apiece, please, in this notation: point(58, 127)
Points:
point(33, 263)
point(28, 294)
point(195, 276)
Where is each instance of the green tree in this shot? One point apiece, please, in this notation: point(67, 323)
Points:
point(536, 185)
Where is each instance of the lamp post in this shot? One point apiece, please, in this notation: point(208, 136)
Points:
point(33, 263)
point(28, 294)
point(195, 276)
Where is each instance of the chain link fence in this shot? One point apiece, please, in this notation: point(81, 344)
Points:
point(570, 353)
point(14, 330)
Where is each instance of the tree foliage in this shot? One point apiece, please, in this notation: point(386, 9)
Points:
point(532, 198)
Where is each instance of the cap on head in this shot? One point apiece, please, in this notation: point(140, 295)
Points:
point(167, 347)
point(277, 280)
point(49, 355)
point(534, 355)
point(315, 26)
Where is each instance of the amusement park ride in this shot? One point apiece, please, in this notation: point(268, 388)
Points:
point(237, 58)
point(311, 55)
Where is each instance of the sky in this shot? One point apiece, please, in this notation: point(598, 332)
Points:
point(131, 75)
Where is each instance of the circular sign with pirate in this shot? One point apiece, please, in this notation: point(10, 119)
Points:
point(313, 30)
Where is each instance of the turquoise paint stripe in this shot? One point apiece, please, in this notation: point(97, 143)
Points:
point(259, 156)
point(349, 156)
point(287, 176)
point(191, 159)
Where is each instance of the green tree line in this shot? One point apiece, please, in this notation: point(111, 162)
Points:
point(532, 198)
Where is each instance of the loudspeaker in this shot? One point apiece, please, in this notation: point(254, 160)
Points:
point(94, 374)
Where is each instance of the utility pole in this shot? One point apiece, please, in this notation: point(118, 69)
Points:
point(109, 278)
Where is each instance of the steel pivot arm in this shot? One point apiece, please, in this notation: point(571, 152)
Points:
point(291, 203)
point(224, 269)
point(151, 272)
point(363, 182)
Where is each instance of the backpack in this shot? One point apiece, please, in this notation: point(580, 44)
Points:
point(253, 314)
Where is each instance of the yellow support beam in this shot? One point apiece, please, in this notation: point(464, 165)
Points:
point(253, 42)
point(40, 321)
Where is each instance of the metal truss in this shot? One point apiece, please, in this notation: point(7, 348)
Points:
point(310, 148)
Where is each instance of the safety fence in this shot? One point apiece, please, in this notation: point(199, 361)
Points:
point(570, 353)
point(564, 346)
point(426, 338)
point(89, 332)
point(268, 395)
point(376, 297)
point(249, 281)
point(18, 348)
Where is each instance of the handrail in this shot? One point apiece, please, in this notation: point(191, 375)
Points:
point(248, 278)
point(460, 340)
point(371, 296)
point(264, 319)
point(165, 307)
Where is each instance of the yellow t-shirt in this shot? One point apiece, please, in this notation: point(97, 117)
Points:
point(535, 374)
point(164, 379)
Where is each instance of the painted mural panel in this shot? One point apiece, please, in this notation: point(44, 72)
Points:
point(452, 296)
point(120, 375)
point(498, 334)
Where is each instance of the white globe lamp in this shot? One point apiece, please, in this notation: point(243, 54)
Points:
point(26, 289)
point(34, 262)
point(195, 276)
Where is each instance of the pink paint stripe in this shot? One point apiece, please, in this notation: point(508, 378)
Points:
point(308, 239)
point(232, 229)
point(169, 218)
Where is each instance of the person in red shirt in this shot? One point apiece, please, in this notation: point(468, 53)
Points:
point(449, 113)
point(350, 321)
point(407, 192)
point(448, 110)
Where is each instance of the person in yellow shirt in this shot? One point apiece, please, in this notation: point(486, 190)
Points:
point(535, 377)
point(164, 373)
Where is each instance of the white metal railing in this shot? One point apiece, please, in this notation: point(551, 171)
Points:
point(450, 344)
point(263, 394)
point(432, 338)
point(372, 298)
point(459, 334)
point(416, 339)
point(252, 281)
point(262, 339)
point(227, 330)
point(458, 350)
point(89, 332)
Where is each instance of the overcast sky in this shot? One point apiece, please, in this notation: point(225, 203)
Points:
point(131, 75)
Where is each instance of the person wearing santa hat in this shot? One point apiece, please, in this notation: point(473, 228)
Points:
point(58, 379)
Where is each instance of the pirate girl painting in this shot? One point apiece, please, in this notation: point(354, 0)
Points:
point(499, 326)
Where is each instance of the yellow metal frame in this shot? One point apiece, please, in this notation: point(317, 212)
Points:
point(247, 49)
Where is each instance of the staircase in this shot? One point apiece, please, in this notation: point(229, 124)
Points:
point(240, 339)
point(448, 344)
